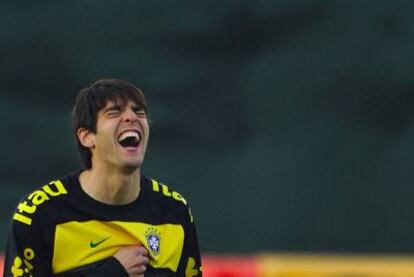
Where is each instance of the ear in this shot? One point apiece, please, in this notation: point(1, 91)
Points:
point(86, 137)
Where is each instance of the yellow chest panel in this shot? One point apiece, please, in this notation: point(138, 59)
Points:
point(80, 243)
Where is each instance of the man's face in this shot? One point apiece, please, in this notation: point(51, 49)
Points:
point(121, 136)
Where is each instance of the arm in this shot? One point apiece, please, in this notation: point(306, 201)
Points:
point(190, 262)
point(25, 254)
point(128, 261)
point(134, 259)
point(29, 253)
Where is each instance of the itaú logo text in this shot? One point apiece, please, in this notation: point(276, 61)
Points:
point(36, 198)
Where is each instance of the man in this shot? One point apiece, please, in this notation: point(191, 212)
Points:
point(108, 219)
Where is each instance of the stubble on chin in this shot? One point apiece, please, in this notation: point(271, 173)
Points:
point(131, 167)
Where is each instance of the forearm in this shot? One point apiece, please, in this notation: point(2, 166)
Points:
point(110, 267)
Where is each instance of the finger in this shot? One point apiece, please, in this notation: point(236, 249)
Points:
point(142, 269)
point(142, 260)
point(142, 250)
point(137, 270)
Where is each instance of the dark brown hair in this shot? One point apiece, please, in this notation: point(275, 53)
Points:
point(91, 99)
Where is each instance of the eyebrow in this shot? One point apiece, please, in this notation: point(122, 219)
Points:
point(113, 107)
point(110, 108)
point(137, 107)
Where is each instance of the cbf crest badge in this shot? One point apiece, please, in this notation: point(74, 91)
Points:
point(153, 240)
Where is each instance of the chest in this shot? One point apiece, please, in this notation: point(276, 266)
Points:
point(81, 240)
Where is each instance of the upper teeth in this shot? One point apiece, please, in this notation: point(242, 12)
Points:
point(129, 134)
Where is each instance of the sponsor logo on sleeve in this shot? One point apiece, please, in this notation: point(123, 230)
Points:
point(157, 187)
point(190, 270)
point(37, 198)
point(23, 267)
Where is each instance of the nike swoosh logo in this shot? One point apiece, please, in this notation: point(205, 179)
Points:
point(95, 244)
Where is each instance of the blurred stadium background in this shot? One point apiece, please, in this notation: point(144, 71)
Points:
point(289, 125)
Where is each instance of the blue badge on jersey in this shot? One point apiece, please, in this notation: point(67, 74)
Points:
point(153, 240)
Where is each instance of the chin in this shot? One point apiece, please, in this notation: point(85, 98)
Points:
point(132, 166)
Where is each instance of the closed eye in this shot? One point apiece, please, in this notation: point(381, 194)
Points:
point(140, 112)
point(113, 111)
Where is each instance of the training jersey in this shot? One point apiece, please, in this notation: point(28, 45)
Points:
point(59, 230)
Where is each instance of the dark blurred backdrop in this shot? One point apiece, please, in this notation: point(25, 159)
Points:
point(288, 125)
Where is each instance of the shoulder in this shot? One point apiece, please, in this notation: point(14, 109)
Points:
point(37, 204)
point(165, 193)
point(170, 200)
point(167, 199)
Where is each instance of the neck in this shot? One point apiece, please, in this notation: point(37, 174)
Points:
point(111, 186)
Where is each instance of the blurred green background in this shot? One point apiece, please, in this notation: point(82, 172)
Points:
point(288, 125)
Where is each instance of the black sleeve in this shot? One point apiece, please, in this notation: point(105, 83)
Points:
point(190, 262)
point(26, 255)
point(110, 267)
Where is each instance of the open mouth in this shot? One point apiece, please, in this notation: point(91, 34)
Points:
point(129, 139)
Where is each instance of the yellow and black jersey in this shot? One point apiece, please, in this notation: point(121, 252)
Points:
point(58, 230)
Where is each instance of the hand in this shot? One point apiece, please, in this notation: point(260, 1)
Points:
point(134, 259)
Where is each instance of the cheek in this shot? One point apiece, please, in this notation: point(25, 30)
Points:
point(103, 137)
point(147, 134)
point(148, 131)
point(146, 128)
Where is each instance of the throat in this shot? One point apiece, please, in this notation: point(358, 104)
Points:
point(110, 189)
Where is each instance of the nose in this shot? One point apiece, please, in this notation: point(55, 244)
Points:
point(130, 116)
